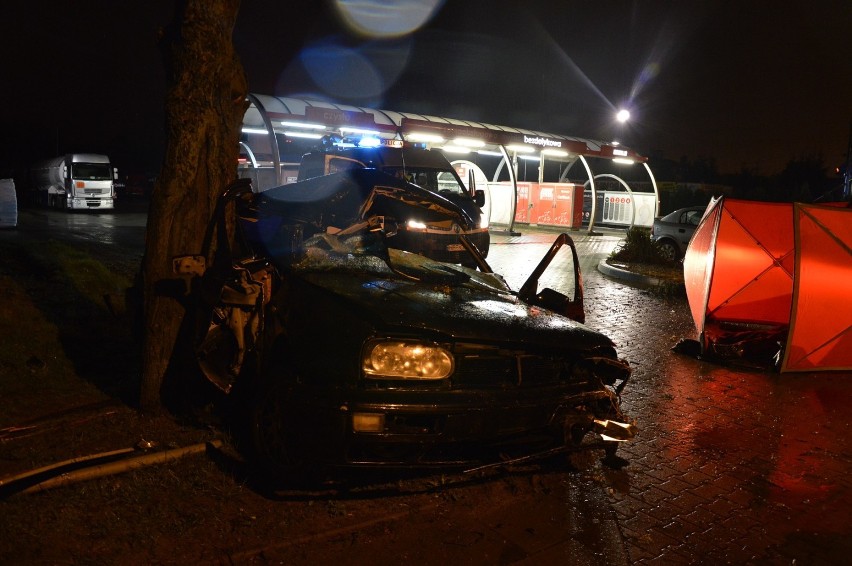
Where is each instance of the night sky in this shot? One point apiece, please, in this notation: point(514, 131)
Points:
point(747, 83)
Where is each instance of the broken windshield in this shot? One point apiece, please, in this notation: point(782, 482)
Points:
point(435, 180)
point(367, 253)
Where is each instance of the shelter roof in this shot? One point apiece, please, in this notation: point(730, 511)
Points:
point(285, 114)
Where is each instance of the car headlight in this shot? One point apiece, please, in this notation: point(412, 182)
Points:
point(398, 359)
point(416, 225)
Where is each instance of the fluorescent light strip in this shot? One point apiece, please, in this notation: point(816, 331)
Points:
point(308, 135)
point(468, 142)
point(306, 125)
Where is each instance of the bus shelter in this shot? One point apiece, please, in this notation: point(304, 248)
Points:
point(277, 131)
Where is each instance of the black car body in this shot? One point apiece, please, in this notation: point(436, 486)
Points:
point(429, 170)
point(359, 353)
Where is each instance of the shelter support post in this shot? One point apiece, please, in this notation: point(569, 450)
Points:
point(656, 191)
point(513, 176)
point(273, 139)
point(594, 196)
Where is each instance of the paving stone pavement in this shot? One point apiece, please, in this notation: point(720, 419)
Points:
point(731, 465)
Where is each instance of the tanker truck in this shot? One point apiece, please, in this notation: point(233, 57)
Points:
point(76, 181)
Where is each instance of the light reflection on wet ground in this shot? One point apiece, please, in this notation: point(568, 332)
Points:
point(732, 464)
point(118, 234)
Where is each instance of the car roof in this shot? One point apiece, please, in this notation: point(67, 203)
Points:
point(672, 216)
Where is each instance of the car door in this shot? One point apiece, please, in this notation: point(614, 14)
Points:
point(687, 223)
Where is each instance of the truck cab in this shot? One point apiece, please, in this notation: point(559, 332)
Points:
point(425, 168)
point(76, 181)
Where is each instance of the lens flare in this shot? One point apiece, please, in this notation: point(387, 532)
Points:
point(382, 20)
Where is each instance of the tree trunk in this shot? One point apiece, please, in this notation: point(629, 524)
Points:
point(204, 110)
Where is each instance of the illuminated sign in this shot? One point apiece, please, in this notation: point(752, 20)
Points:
point(334, 116)
point(544, 142)
point(620, 152)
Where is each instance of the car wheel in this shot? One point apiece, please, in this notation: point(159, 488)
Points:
point(668, 250)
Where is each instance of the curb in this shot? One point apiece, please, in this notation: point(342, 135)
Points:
point(629, 276)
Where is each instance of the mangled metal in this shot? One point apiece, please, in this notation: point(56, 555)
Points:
point(350, 350)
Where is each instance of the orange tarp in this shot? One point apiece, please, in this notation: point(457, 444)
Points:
point(698, 262)
point(820, 335)
point(751, 277)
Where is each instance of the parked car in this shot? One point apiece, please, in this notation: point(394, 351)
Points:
point(343, 349)
point(673, 231)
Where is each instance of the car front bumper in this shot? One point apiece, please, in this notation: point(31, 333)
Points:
point(447, 428)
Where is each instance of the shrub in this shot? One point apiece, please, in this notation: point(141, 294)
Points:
point(637, 247)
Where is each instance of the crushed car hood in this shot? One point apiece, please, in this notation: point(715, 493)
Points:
point(474, 310)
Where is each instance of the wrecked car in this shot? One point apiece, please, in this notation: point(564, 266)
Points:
point(428, 169)
point(349, 350)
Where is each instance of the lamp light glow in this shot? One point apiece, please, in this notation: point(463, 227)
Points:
point(423, 137)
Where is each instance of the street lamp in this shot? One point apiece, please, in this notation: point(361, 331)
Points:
point(622, 116)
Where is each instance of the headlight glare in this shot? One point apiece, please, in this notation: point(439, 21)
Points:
point(406, 360)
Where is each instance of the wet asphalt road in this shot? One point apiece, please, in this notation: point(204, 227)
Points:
point(731, 466)
point(116, 236)
point(122, 227)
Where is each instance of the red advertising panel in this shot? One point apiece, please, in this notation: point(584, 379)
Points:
point(568, 204)
point(557, 204)
point(524, 196)
point(541, 198)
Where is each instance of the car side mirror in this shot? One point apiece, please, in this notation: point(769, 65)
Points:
point(557, 302)
point(479, 198)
